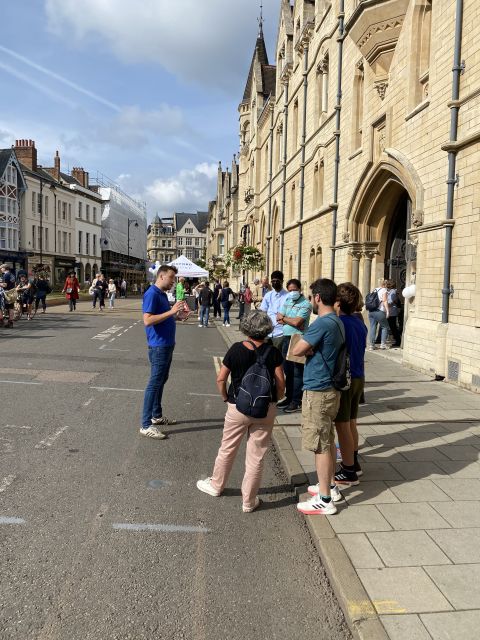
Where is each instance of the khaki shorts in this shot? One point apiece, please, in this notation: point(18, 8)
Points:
point(319, 409)
point(350, 400)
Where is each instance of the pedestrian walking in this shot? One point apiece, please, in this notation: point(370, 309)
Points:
point(112, 292)
point(226, 297)
point(180, 289)
point(237, 361)
point(217, 310)
point(123, 288)
point(100, 288)
point(71, 289)
point(321, 344)
point(376, 303)
point(160, 327)
point(348, 301)
point(241, 302)
point(7, 299)
point(24, 288)
point(272, 303)
point(205, 300)
point(294, 316)
point(43, 288)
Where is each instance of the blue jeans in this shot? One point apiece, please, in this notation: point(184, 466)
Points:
point(204, 313)
point(293, 375)
point(160, 360)
point(226, 312)
point(378, 318)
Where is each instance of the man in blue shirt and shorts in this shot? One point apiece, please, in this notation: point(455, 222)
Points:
point(321, 344)
point(159, 321)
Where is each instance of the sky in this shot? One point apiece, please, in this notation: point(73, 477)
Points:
point(145, 93)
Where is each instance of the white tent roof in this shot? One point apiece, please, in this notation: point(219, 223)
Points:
point(188, 269)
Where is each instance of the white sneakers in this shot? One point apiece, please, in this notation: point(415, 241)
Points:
point(163, 421)
point(207, 487)
point(334, 492)
point(153, 432)
point(258, 502)
point(315, 506)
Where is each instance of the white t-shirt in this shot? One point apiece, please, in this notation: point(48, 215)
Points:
point(381, 292)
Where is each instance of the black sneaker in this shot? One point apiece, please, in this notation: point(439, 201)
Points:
point(283, 403)
point(346, 478)
point(358, 468)
point(293, 407)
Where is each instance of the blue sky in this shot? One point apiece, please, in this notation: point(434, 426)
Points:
point(144, 92)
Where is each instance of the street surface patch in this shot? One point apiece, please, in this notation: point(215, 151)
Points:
point(6, 482)
point(6, 520)
point(163, 528)
point(44, 444)
point(107, 333)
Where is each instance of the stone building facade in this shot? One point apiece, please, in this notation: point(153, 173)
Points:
point(359, 153)
point(191, 234)
point(161, 240)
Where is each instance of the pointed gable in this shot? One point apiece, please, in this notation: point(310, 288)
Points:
point(256, 75)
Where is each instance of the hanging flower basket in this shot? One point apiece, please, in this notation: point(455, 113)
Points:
point(244, 258)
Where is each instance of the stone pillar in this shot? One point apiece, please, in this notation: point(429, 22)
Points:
point(367, 271)
point(355, 254)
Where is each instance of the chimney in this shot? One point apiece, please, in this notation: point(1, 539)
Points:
point(26, 153)
point(81, 176)
point(56, 161)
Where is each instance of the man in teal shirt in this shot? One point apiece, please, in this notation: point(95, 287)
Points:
point(321, 344)
point(294, 316)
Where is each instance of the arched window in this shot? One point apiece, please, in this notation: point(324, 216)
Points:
point(358, 94)
point(322, 86)
point(318, 184)
point(318, 263)
point(311, 266)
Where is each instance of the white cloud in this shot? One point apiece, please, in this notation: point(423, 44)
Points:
point(200, 42)
point(188, 190)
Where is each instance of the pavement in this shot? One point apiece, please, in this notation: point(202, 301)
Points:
point(103, 533)
point(403, 552)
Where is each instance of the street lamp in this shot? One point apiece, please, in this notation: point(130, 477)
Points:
point(130, 221)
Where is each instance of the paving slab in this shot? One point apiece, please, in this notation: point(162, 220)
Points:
point(407, 549)
point(460, 452)
point(460, 514)
point(460, 469)
point(412, 516)
point(424, 490)
point(457, 488)
point(455, 625)
point(417, 471)
point(405, 626)
point(458, 583)
point(375, 492)
point(403, 590)
point(415, 453)
point(360, 551)
point(460, 545)
point(358, 519)
point(382, 471)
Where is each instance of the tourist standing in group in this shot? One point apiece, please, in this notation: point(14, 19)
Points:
point(321, 344)
point(226, 297)
point(180, 290)
point(379, 317)
point(71, 290)
point(272, 303)
point(160, 327)
point(257, 295)
point(394, 311)
point(294, 316)
point(266, 287)
point(112, 293)
point(217, 309)
point(205, 300)
point(43, 288)
point(100, 288)
point(238, 359)
point(7, 283)
point(348, 301)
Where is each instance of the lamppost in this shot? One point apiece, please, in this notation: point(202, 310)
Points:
point(41, 222)
point(130, 221)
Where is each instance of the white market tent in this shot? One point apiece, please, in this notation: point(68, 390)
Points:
point(188, 269)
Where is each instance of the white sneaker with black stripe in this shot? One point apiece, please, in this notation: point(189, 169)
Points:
point(163, 421)
point(315, 506)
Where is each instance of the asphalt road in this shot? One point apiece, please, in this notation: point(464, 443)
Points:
point(78, 483)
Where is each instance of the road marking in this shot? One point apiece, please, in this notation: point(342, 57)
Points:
point(85, 404)
point(115, 389)
point(105, 348)
point(6, 482)
point(112, 340)
point(210, 395)
point(14, 426)
point(166, 528)
point(131, 326)
point(103, 335)
point(19, 382)
point(51, 439)
point(6, 520)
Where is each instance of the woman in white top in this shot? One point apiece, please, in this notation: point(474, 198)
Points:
point(112, 292)
point(379, 317)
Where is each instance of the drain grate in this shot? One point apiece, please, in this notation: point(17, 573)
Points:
point(453, 370)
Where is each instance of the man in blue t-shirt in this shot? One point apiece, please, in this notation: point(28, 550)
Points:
point(321, 344)
point(159, 321)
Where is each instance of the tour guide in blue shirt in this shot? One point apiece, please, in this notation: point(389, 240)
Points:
point(159, 321)
point(272, 303)
point(321, 344)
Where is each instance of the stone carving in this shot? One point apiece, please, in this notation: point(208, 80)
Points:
point(322, 66)
point(375, 29)
point(381, 88)
point(346, 237)
point(417, 218)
